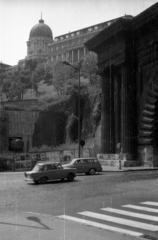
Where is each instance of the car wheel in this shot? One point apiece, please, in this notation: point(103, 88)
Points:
point(92, 171)
point(43, 180)
point(36, 181)
point(70, 177)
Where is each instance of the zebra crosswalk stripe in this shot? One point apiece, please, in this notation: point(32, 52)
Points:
point(100, 225)
point(150, 203)
point(131, 214)
point(141, 208)
point(122, 221)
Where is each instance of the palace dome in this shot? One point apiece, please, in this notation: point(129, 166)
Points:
point(41, 30)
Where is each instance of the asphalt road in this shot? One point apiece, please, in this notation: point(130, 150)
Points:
point(87, 194)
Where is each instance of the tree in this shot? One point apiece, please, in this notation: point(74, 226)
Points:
point(16, 83)
point(30, 64)
point(89, 69)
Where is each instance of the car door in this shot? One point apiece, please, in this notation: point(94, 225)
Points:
point(61, 173)
point(78, 164)
point(90, 164)
point(85, 167)
point(52, 172)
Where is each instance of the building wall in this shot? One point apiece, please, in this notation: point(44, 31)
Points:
point(21, 124)
point(127, 56)
point(17, 120)
point(38, 48)
point(70, 47)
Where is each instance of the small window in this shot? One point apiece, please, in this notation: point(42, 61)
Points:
point(50, 167)
point(78, 162)
point(85, 161)
point(90, 160)
point(58, 166)
point(109, 23)
point(52, 49)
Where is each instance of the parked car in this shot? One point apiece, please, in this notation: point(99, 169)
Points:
point(88, 165)
point(42, 172)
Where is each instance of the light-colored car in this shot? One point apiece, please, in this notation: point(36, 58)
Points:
point(88, 165)
point(45, 171)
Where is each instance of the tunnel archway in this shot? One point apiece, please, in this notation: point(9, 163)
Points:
point(148, 119)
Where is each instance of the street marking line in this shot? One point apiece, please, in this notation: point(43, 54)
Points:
point(99, 225)
point(122, 221)
point(150, 203)
point(131, 214)
point(141, 208)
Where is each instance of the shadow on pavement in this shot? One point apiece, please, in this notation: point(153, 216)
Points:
point(36, 219)
point(22, 225)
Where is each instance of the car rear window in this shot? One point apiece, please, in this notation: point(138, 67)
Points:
point(50, 167)
point(90, 160)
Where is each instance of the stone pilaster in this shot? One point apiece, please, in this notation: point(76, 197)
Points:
point(126, 136)
point(105, 114)
point(72, 56)
point(78, 54)
point(117, 110)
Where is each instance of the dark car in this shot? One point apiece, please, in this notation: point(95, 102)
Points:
point(88, 165)
point(45, 171)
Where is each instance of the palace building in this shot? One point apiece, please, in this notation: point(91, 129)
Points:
point(70, 46)
point(37, 45)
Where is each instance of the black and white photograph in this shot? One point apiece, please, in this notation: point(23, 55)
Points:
point(78, 119)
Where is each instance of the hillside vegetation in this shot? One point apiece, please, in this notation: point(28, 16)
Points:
point(56, 88)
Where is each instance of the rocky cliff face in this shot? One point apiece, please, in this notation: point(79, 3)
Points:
point(58, 124)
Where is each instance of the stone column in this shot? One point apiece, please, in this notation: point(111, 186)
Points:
point(84, 51)
point(105, 114)
point(126, 123)
point(112, 122)
point(72, 56)
point(117, 110)
point(67, 57)
point(78, 54)
point(28, 47)
point(34, 48)
point(44, 48)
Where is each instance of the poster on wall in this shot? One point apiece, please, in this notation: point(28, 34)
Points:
point(38, 157)
point(67, 155)
point(53, 156)
point(22, 161)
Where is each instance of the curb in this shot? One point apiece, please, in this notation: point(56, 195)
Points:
point(129, 169)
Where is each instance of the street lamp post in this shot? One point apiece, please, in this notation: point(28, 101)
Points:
point(79, 131)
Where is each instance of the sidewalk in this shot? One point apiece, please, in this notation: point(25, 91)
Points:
point(124, 169)
point(20, 225)
point(105, 169)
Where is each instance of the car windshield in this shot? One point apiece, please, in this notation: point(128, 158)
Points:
point(37, 168)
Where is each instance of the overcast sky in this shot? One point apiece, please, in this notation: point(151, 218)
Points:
point(17, 17)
